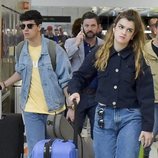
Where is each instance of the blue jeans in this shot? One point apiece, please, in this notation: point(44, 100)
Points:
point(35, 125)
point(119, 136)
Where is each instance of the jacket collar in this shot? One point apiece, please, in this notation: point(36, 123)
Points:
point(124, 53)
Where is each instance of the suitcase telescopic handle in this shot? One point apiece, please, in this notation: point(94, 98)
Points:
point(75, 124)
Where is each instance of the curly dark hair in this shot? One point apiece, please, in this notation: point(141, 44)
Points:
point(76, 27)
point(32, 15)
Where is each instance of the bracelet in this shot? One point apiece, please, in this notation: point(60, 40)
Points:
point(71, 107)
point(4, 84)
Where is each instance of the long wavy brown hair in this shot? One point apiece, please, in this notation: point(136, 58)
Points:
point(137, 43)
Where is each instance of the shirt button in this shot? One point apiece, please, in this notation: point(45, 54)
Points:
point(118, 54)
point(116, 70)
point(115, 87)
point(113, 103)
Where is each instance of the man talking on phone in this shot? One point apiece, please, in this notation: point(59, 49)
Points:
point(77, 49)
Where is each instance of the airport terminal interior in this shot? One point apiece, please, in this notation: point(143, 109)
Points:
point(60, 15)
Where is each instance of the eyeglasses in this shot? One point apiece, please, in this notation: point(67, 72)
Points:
point(29, 26)
point(101, 112)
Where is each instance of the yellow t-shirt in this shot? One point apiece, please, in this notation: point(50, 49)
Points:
point(36, 100)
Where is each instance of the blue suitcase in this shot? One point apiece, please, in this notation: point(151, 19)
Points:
point(55, 148)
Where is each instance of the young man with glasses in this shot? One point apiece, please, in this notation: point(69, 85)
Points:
point(43, 87)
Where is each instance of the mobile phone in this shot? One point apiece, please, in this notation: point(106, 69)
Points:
point(81, 28)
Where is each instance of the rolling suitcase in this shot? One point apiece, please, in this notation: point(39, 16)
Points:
point(59, 127)
point(11, 134)
point(57, 148)
point(54, 148)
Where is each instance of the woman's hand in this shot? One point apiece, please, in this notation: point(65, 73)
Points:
point(70, 105)
point(70, 115)
point(74, 96)
point(146, 138)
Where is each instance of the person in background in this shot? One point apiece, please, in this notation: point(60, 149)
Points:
point(152, 22)
point(62, 36)
point(77, 49)
point(125, 113)
point(100, 32)
point(151, 55)
point(43, 88)
point(58, 38)
point(49, 33)
point(76, 27)
point(18, 37)
point(56, 35)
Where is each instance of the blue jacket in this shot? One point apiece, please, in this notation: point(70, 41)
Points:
point(52, 81)
point(117, 86)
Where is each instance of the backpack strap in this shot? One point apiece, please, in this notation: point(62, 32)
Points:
point(52, 53)
point(18, 49)
point(51, 50)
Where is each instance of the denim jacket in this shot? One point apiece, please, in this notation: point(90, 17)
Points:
point(52, 81)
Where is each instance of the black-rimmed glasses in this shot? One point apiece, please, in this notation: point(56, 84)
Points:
point(29, 26)
point(101, 112)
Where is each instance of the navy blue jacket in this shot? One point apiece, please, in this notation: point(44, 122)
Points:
point(117, 86)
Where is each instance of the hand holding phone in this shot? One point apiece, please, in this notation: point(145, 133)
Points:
point(81, 28)
point(80, 36)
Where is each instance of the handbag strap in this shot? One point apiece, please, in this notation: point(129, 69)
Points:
point(57, 122)
point(53, 125)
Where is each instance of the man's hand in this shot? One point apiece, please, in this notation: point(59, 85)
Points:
point(79, 38)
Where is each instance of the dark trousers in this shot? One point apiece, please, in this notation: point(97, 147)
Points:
point(86, 107)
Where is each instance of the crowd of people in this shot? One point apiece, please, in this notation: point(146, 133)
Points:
point(114, 81)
